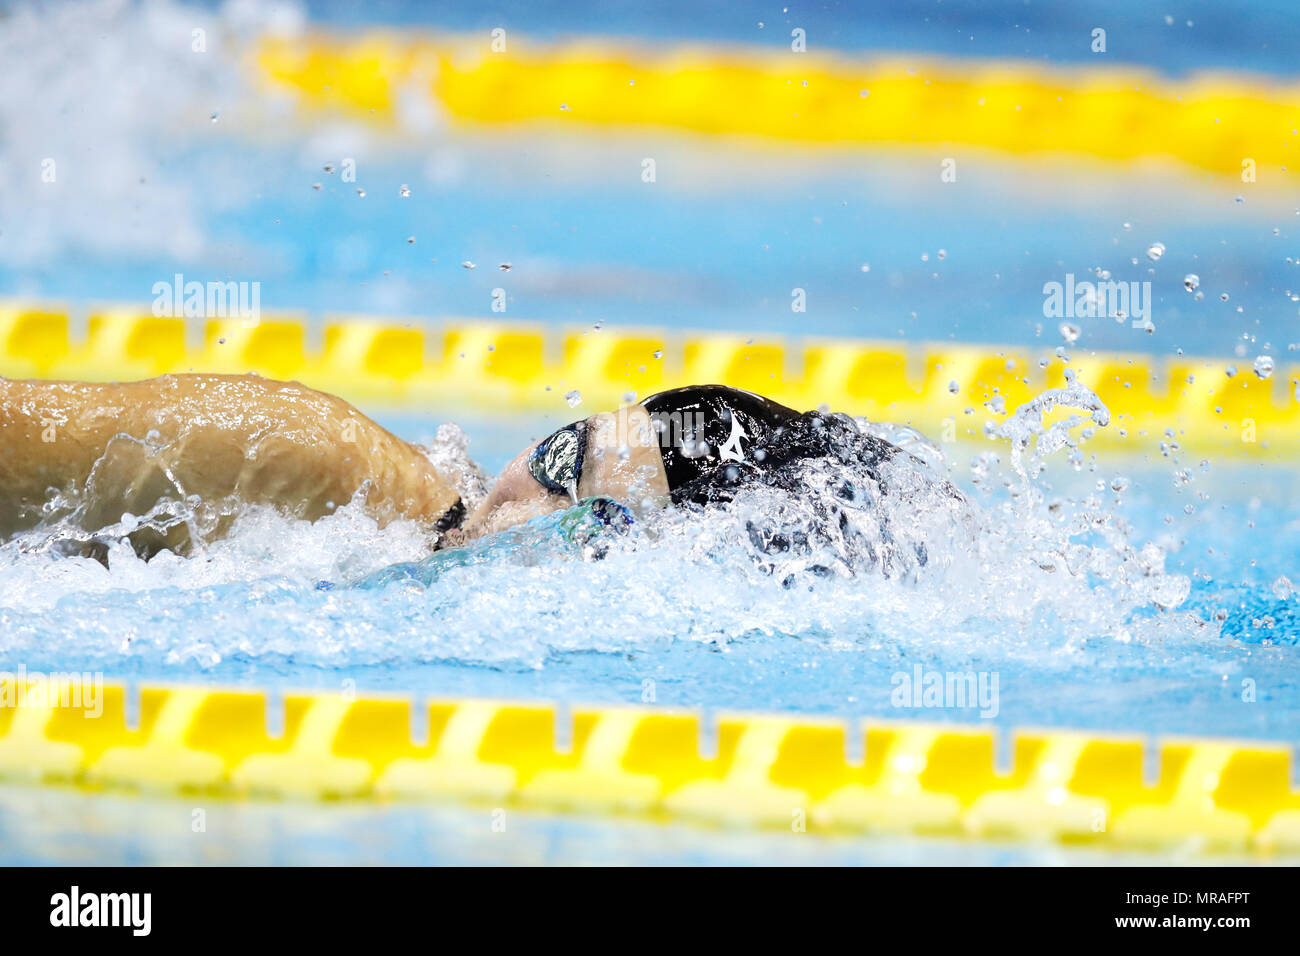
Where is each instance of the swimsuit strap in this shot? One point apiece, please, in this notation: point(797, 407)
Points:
point(452, 519)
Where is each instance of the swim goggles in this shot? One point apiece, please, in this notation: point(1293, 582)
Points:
point(556, 462)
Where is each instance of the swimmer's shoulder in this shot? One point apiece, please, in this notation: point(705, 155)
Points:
point(243, 390)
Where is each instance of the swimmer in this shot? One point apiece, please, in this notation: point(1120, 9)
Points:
point(692, 446)
point(698, 447)
point(184, 453)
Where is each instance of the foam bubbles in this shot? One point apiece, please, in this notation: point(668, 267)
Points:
point(868, 558)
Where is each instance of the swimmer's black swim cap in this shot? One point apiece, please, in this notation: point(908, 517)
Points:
point(704, 428)
point(715, 439)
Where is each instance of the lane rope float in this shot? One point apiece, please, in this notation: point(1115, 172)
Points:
point(1220, 122)
point(770, 771)
point(522, 367)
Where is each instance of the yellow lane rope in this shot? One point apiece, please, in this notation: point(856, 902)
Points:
point(1229, 124)
point(949, 391)
point(777, 771)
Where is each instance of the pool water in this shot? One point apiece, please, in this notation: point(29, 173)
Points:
point(1147, 591)
point(730, 227)
point(1164, 606)
point(67, 827)
point(1153, 620)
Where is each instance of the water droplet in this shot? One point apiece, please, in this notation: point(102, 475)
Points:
point(1070, 332)
point(629, 398)
point(328, 167)
point(504, 267)
point(1230, 371)
point(1223, 297)
point(953, 387)
point(1119, 484)
point(943, 253)
point(1191, 281)
point(410, 240)
point(1282, 588)
point(468, 265)
point(658, 353)
point(405, 191)
point(574, 398)
point(1264, 366)
point(215, 116)
point(1155, 251)
point(315, 185)
point(361, 193)
point(866, 267)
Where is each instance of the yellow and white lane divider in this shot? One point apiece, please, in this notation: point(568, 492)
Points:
point(771, 771)
point(1239, 126)
point(947, 390)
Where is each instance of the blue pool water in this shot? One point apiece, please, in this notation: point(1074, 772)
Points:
point(1068, 648)
point(1201, 35)
point(70, 828)
point(718, 241)
point(1138, 591)
point(686, 620)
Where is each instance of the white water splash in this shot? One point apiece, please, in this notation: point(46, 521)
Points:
point(915, 567)
point(101, 102)
point(449, 454)
point(1026, 432)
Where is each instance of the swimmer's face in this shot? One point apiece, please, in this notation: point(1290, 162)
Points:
point(613, 455)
